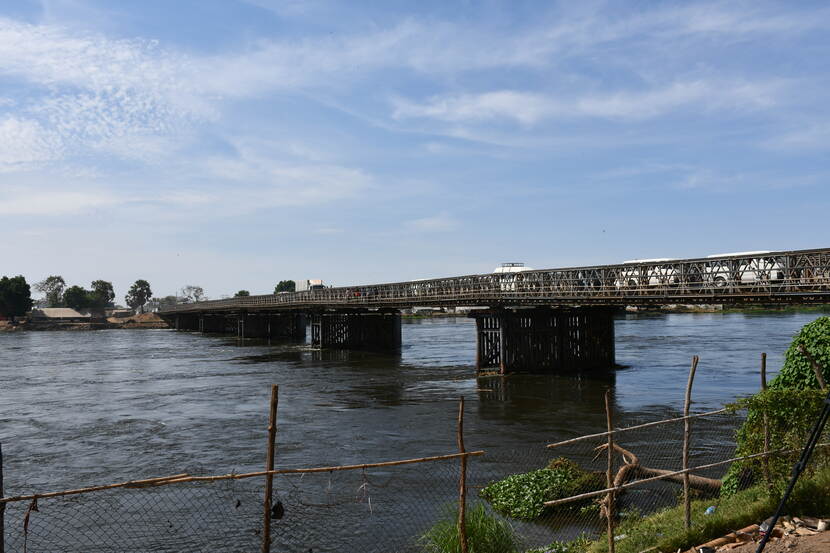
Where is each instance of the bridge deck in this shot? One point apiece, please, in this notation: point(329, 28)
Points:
point(791, 277)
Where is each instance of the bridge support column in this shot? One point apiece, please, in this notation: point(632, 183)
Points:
point(358, 330)
point(544, 340)
point(213, 323)
point(187, 321)
point(286, 325)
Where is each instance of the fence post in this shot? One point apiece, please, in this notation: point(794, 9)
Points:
point(2, 507)
point(462, 480)
point(816, 368)
point(687, 431)
point(609, 477)
point(765, 459)
point(269, 465)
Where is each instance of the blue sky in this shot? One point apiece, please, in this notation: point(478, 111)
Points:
point(231, 144)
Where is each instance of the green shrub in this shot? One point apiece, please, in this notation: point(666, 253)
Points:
point(522, 496)
point(790, 415)
point(486, 533)
point(797, 373)
point(791, 404)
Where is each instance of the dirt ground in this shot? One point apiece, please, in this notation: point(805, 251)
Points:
point(142, 320)
point(819, 543)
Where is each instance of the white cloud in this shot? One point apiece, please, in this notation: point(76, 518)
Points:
point(436, 223)
point(811, 137)
point(38, 201)
point(24, 142)
point(529, 108)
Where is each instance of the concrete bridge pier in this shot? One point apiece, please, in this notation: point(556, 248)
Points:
point(357, 330)
point(544, 339)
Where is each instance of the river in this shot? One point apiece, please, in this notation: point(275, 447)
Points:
point(82, 408)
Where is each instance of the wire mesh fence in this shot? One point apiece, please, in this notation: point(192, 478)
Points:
point(391, 507)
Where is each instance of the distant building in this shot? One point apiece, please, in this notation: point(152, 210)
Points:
point(59, 314)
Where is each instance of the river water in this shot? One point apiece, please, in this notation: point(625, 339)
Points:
point(82, 408)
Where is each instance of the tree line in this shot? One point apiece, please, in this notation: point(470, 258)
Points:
point(100, 296)
point(16, 295)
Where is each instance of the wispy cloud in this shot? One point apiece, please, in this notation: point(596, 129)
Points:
point(441, 222)
point(39, 201)
point(809, 138)
point(530, 108)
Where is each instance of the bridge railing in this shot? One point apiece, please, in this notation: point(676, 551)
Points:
point(794, 277)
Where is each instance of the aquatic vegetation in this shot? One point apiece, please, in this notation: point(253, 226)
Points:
point(523, 495)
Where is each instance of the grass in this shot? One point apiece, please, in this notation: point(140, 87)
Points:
point(485, 533)
point(664, 530)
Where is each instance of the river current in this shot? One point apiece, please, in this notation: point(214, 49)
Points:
point(83, 408)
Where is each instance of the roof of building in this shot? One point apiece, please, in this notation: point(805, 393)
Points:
point(59, 313)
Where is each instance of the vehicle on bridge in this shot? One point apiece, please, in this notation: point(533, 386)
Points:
point(509, 279)
point(314, 284)
point(758, 269)
point(641, 272)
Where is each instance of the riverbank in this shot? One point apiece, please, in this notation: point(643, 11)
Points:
point(143, 320)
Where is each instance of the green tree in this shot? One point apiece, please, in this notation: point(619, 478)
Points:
point(242, 294)
point(285, 286)
point(52, 287)
point(139, 294)
point(15, 297)
point(77, 298)
point(102, 293)
point(193, 293)
point(166, 301)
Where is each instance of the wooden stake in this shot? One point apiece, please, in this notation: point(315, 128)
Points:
point(687, 431)
point(636, 427)
point(814, 364)
point(765, 460)
point(667, 476)
point(269, 466)
point(2, 507)
point(181, 479)
point(462, 480)
point(609, 474)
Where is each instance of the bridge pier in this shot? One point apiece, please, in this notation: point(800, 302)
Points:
point(271, 325)
point(544, 340)
point(357, 330)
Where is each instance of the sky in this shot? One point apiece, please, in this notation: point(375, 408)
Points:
point(232, 144)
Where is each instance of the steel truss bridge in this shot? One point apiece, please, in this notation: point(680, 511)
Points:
point(541, 320)
point(789, 277)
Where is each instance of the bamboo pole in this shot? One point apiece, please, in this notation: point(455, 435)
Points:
point(765, 460)
point(462, 480)
point(2, 507)
point(687, 431)
point(637, 427)
point(609, 474)
point(814, 364)
point(178, 479)
point(269, 466)
point(667, 475)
